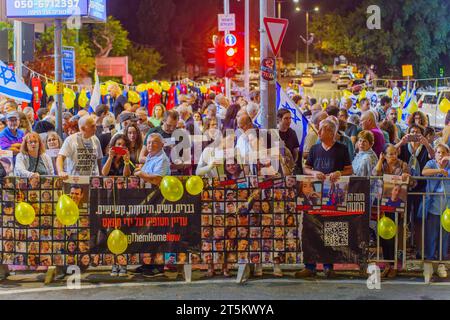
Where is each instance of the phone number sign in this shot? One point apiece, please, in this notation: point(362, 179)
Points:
point(55, 8)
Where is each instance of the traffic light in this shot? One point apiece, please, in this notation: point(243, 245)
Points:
point(226, 56)
point(231, 55)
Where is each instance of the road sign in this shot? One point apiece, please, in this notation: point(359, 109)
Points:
point(68, 64)
point(276, 30)
point(127, 80)
point(230, 40)
point(407, 70)
point(227, 22)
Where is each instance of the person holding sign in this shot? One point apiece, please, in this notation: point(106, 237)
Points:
point(329, 159)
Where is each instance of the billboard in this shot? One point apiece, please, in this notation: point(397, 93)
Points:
point(48, 9)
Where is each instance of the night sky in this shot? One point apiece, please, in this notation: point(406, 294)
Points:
point(126, 14)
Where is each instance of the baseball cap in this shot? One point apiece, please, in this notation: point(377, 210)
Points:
point(12, 114)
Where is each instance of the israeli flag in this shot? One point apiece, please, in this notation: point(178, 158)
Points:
point(11, 87)
point(96, 95)
point(299, 121)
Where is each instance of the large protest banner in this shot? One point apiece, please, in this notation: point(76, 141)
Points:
point(335, 219)
point(168, 231)
point(250, 219)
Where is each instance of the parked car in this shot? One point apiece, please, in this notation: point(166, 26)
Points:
point(343, 81)
point(429, 103)
point(307, 80)
point(335, 75)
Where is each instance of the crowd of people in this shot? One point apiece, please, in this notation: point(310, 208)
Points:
point(344, 139)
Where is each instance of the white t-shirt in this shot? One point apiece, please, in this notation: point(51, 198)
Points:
point(82, 155)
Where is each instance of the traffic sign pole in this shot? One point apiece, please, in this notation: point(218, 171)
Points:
point(58, 75)
point(226, 5)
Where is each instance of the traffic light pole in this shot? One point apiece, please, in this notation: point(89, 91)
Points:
point(58, 75)
point(268, 89)
point(226, 6)
point(247, 49)
point(18, 48)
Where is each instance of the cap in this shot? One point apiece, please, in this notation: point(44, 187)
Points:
point(12, 114)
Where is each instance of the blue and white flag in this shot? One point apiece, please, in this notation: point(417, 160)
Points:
point(299, 121)
point(96, 95)
point(12, 87)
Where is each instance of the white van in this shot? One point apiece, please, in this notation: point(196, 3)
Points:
point(430, 106)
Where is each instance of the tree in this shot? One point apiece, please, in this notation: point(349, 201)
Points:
point(412, 32)
point(5, 25)
point(44, 58)
point(108, 38)
point(144, 64)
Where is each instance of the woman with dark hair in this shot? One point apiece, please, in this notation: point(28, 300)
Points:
point(391, 129)
point(230, 121)
point(117, 163)
point(136, 141)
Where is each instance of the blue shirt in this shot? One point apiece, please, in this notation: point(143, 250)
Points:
point(437, 204)
point(7, 138)
point(158, 165)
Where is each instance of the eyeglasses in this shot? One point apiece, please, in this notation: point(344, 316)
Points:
point(33, 142)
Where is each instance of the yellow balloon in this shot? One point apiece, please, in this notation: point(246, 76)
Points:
point(347, 94)
point(387, 229)
point(103, 90)
point(445, 220)
point(203, 89)
point(403, 96)
point(50, 89)
point(389, 93)
point(158, 89)
point(134, 97)
point(171, 188)
point(413, 107)
point(165, 85)
point(25, 214)
point(141, 88)
point(83, 99)
point(117, 242)
point(444, 106)
point(362, 95)
point(194, 185)
point(67, 211)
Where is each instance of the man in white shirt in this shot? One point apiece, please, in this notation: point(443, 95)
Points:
point(81, 152)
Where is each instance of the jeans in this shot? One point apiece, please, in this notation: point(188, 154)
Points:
point(432, 237)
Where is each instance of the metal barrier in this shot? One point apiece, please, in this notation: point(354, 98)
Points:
point(410, 219)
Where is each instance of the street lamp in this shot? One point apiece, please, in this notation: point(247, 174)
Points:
point(308, 41)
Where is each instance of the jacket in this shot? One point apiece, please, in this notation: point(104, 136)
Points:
point(23, 162)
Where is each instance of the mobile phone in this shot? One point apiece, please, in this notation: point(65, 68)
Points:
point(119, 151)
point(413, 138)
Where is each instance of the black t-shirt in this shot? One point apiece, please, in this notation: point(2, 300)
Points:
point(113, 171)
point(335, 159)
point(159, 130)
point(119, 104)
point(104, 139)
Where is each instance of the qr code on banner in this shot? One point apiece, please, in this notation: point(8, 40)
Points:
point(335, 234)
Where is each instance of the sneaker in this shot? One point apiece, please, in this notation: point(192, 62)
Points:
point(152, 273)
point(442, 271)
point(115, 271)
point(305, 273)
point(123, 271)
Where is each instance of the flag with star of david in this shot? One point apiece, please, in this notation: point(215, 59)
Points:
point(299, 121)
point(12, 87)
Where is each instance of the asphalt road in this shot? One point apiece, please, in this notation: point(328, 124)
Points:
point(287, 288)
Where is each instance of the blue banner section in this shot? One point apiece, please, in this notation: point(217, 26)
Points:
point(46, 8)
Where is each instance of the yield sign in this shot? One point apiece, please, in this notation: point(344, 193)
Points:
point(276, 30)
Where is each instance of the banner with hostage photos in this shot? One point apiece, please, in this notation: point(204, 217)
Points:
point(335, 219)
point(235, 220)
point(158, 231)
point(250, 220)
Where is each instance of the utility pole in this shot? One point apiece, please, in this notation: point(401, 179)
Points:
point(268, 90)
point(58, 75)
point(18, 48)
point(307, 39)
point(226, 6)
point(247, 48)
